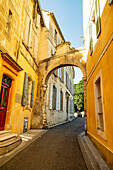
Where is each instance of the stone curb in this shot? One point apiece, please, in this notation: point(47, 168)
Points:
point(52, 126)
point(91, 156)
point(7, 157)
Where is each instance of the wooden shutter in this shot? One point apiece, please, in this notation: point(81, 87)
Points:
point(51, 96)
point(63, 101)
point(91, 39)
point(110, 2)
point(24, 97)
point(27, 29)
point(97, 18)
point(32, 93)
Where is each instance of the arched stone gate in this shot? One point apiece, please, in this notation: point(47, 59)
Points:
point(64, 56)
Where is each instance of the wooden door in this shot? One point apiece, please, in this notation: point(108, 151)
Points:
point(5, 87)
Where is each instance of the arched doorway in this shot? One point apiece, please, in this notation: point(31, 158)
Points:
point(64, 56)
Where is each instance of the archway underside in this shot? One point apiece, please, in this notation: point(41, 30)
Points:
point(64, 56)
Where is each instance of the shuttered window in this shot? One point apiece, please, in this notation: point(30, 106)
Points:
point(34, 11)
point(64, 74)
point(59, 99)
point(110, 2)
point(91, 39)
point(60, 72)
point(32, 93)
point(63, 101)
point(51, 96)
point(97, 18)
point(27, 30)
point(28, 91)
point(54, 99)
point(36, 46)
point(24, 98)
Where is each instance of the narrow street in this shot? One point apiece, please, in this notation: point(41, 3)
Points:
point(57, 149)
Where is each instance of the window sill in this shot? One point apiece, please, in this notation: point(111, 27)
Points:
point(102, 134)
point(27, 108)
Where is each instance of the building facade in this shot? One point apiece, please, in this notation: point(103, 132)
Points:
point(20, 26)
point(59, 103)
point(98, 41)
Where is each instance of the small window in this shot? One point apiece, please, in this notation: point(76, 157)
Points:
point(61, 101)
point(9, 20)
point(97, 18)
point(54, 98)
point(27, 30)
point(36, 46)
point(55, 36)
point(91, 39)
point(34, 11)
point(110, 2)
point(99, 105)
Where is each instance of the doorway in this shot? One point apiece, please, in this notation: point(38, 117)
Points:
point(4, 95)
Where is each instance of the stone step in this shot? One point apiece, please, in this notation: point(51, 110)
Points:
point(7, 138)
point(10, 145)
point(4, 132)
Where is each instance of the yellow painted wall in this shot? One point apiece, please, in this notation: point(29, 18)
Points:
point(106, 66)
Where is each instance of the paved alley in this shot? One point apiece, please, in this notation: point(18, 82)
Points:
point(58, 149)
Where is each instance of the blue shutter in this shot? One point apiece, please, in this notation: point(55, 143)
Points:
point(32, 93)
point(24, 97)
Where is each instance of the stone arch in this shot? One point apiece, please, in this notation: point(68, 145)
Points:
point(64, 56)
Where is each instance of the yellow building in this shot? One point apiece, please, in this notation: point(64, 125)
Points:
point(98, 41)
point(20, 27)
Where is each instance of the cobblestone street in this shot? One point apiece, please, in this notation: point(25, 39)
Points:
point(58, 149)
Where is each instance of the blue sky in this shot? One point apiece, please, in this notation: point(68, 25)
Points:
point(68, 14)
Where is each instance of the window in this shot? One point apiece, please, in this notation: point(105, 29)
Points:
point(54, 98)
point(91, 39)
point(36, 46)
point(98, 95)
point(58, 41)
point(97, 18)
point(51, 30)
point(9, 20)
point(61, 101)
point(27, 30)
point(110, 2)
point(34, 11)
point(55, 36)
point(28, 91)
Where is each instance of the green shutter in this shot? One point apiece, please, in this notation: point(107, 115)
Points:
point(24, 98)
point(32, 93)
point(97, 18)
point(110, 2)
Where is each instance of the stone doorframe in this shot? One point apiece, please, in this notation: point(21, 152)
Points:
point(64, 56)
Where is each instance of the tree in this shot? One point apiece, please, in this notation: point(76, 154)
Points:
point(79, 96)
